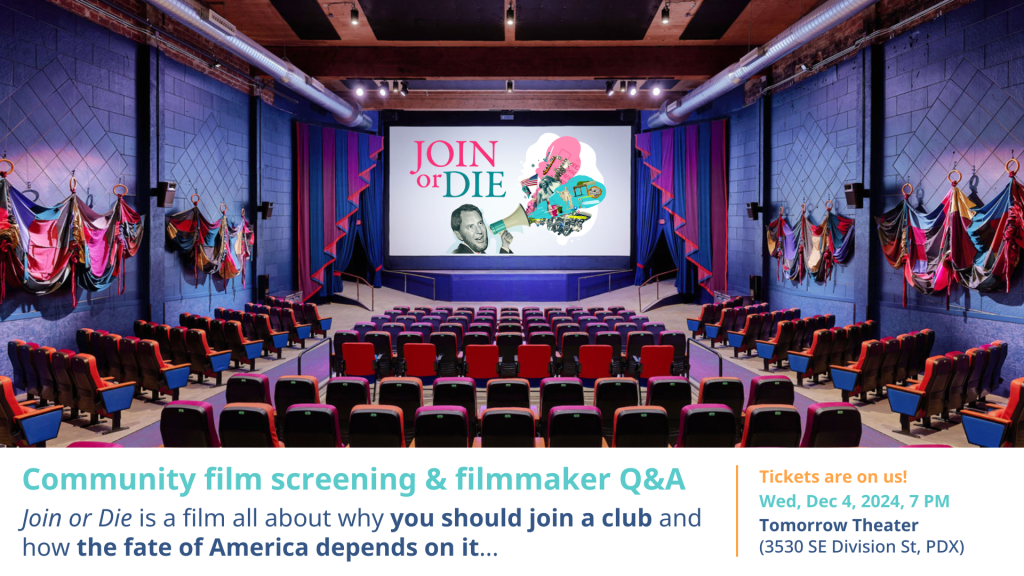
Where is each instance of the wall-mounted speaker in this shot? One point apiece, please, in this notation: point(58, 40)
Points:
point(262, 287)
point(165, 193)
point(755, 288)
point(753, 209)
point(265, 210)
point(854, 194)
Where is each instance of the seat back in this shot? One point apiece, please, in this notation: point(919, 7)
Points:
point(832, 425)
point(799, 329)
point(446, 344)
point(507, 428)
point(771, 426)
point(476, 339)
point(87, 381)
point(457, 391)
point(482, 361)
point(595, 328)
point(722, 390)
point(707, 426)
point(768, 322)
point(610, 394)
point(343, 336)
point(635, 341)
point(381, 344)
point(246, 425)
point(613, 339)
point(770, 390)
point(179, 348)
point(937, 374)
point(854, 338)
point(188, 424)
point(344, 394)
point(442, 427)
point(640, 427)
point(406, 338)
point(291, 390)
point(31, 376)
point(870, 364)
point(677, 340)
point(508, 393)
point(908, 347)
point(574, 427)
point(405, 393)
point(312, 426)
point(656, 361)
point(248, 388)
point(42, 364)
point(955, 389)
point(198, 350)
point(837, 355)
point(454, 329)
point(218, 336)
point(979, 361)
point(420, 360)
point(671, 393)
point(784, 335)
point(67, 394)
point(534, 361)
point(359, 359)
point(376, 426)
point(887, 369)
point(595, 361)
point(508, 346)
point(18, 372)
point(820, 349)
point(393, 329)
point(560, 391)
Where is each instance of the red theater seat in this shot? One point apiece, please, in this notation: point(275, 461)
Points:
point(534, 363)
point(654, 361)
point(312, 426)
point(345, 394)
point(727, 391)
point(707, 426)
point(610, 394)
point(340, 338)
point(595, 362)
point(273, 340)
point(204, 361)
point(813, 361)
point(442, 427)
point(575, 427)
point(999, 427)
point(99, 396)
point(248, 388)
point(188, 424)
point(771, 426)
point(482, 363)
point(245, 425)
point(770, 390)
point(777, 348)
point(832, 425)
point(22, 424)
point(158, 376)
point(862, 376)
point(359, 360)
point(640, 427)
point(405, 393)
point(922, 399)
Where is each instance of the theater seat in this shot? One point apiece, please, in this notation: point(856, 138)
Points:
point(242, 349)
point(25, 351)
point(770, 390)
point(458, 391)
point(157, 375)
point(813, 361)
point(653, 361)
point(708, 315)
point(777, 348)
point(534, 363)
point(442, 427)
point(340, 338)
point(999, 427)
point(188, 424)
point(671, 393)
point(610, 394)
point(43, 365)
point(832, 425)
point(248, 388)
point(98, 396)
point(290, 390)
point(771, 426)
point(22, 424)
point(204, 361)
point(862, 376)
point(556, 392)
point(318, 324)
point(312, 426)
point(954, 399)
point(248, 425)
point(376, 427)
point(507, 428)
point(273, 340)
point(744, 340)
point(921, 399)
point(707, 426)
point(719, 390)
point(640, 427)
point(575, 427)
point(405, 393)
point(67, 392)
point(344, 394)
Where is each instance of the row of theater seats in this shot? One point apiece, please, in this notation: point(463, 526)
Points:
point(508, 419)
point(1000, 427)
point(303, 313)
point(947, 383)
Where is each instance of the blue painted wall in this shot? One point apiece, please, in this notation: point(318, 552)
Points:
point(67, 102)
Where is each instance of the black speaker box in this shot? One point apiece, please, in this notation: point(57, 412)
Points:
point(165, 193)
point(755, 288)
point(262, 287)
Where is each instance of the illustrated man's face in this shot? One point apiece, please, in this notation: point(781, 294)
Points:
point(473, 230)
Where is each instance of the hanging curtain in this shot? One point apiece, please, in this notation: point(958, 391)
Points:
point(959, 241)
point(43, 247)
point(688, 167)
point(334, 167)
point(372, 210)
point(810, 248)
point(213, 246)
point(647, 198)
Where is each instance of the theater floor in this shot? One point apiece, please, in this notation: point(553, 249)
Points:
point(143, 417)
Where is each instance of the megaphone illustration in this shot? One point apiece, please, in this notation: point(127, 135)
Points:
point(518, 217)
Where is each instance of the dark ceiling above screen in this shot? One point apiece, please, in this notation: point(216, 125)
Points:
point(436, 20)
point(307, 19)
point(713, 19)
point(493, 85)
point(584, 19)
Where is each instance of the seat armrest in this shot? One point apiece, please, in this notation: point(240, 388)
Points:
point(28, 403)
point(174, 367)
point(53, 408)
point(905, 389)
point(118, 385)
point(801, 354)
point(221, 353)
point(844, 368)
point(995, 419)
point(538, 442)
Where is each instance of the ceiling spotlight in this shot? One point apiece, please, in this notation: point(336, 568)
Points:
point(360, 91)
point(383, 89)
point(632, 87)
point(404, 90)
point(610, 87)
point(216, 64)
point(803, 67)
point(656, 90)
point(510, 15)
point(354, 15)
point(664, 14)
point(394, 86)
point(508, 86)
point(622, 86)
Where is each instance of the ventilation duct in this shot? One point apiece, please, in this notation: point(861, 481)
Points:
point(193, 16)
point(819, 21)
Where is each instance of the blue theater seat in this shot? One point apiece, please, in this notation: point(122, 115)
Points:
point(22, 424)
point(99, 396)
point(158, 376)
point(999, 427)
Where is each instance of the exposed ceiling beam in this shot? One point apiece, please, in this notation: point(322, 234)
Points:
point(512, 62)
point(546, 100)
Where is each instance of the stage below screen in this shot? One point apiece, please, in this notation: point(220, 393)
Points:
point(506, 285)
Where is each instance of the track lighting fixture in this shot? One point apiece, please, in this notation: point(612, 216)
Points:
point(664, 14)
point(610, 87)
point(510, 15)
point(383, 89)
point(632, 87)
point(508, 87)
point(656, 90)
point(622, 86)
point(404, 90)
point(359, 90)
point(354, 17)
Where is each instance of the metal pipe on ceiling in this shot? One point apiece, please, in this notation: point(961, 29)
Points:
point(811, 26)
point(220, 31)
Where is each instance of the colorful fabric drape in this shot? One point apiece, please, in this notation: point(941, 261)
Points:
point(688, 166)
point(43, 247)
point(213, 246)
point(810, 248)
point(975, 246)
point(333, 168)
